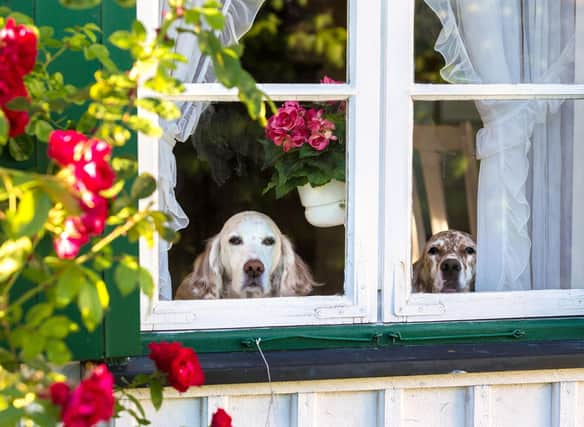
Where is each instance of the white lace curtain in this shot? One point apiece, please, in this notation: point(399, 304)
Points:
point(524, 195)
point(239, 15)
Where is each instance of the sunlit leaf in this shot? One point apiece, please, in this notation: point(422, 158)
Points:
point(126, 275)
point(90, 307)
point(143, 186)
point(30, 215)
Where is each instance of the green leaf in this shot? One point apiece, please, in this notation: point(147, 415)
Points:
point(13, 255)
point(57, 327)
point(126, 3)
point(57, 352)
point(124, 166)
point(79, 4)
point(126, 275)
point(146, 282)
point(90, 306)
point(70, 282)
point(103, 259)
point(19, 103)
point(30, 216)
point(38, 313)
point(214, 17)
point(156, 393)
point(10, 417)
point(4, 128)
point(42, 130)
point(122, 39)
point(32, 346)
point(21, 147)
point(143, 186)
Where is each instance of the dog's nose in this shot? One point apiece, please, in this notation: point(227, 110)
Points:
point(450, 267)
point(253, 268)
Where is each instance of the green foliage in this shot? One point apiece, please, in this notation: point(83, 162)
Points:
point(34, 206)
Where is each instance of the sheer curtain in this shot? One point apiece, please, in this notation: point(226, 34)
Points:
point(524, 146)
point(239, 15)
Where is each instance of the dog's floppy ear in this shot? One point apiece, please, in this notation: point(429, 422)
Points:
point(295, 278)
point(421, 279)
point(205, 281)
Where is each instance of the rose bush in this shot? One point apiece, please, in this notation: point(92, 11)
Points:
point(305, 144)
point(221, 419)
point(57, 225)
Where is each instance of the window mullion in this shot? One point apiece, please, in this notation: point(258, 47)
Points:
point(277, 92)
point(465, 92)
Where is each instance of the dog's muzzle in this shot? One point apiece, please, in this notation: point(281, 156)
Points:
point(450, 270)
point(253, 270)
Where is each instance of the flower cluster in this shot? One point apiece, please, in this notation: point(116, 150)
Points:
point(181, 364)
point(18, 51)
point(85, 164)
point(90, 402)
point(293, 126)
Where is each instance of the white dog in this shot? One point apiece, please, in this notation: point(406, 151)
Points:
point(447, 264)
point(249, 258)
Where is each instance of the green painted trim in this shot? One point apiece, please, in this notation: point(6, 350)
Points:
point(122, 321)
point(362, 336)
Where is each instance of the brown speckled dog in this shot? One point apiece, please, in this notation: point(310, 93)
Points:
point(447, 264)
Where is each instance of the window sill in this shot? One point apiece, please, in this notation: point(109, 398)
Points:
point(401, 360)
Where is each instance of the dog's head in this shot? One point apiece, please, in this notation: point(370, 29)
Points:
point(249, 258)
point(447, 264)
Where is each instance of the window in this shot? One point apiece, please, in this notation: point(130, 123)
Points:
point(355, 300)
point(412, 167)
point(514, 72)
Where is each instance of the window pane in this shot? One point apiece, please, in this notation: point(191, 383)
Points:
point(297, 41)
point(508, 180)
point(496, 41)
point(222, 171)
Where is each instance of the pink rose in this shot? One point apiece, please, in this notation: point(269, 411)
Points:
point(18, 47)
point(327, 80)
point(92, 401)
point(318, 142)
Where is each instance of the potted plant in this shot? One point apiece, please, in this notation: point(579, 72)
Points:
point(305, 147)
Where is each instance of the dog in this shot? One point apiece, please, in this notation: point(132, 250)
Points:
point(249, 258)
point(447, 264)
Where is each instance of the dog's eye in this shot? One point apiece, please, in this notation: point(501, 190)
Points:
point(433, 250)
point(235, 240)
point(469, 250)
point(268, 241)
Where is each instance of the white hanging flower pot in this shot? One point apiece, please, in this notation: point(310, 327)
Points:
point(324, 205)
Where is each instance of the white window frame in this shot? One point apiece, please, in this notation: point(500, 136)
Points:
point(362, 268)
point(399, 303)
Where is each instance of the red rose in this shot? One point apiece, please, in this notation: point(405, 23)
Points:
point(12, 86)
point(59, 393)
point(185, 370)
point(96, 175)
point(180, 363)
point(97, 150)
point(18, 47)
point(95, 211)
point(92, 401)
point(69, 242)
point(162, 353)
point(17, 120)
point(62, 145)
point(221, 419)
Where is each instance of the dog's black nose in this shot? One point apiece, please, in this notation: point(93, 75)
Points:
point(450, 267)
point(253, 268)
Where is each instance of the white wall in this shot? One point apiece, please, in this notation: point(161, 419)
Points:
point(551, 398)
